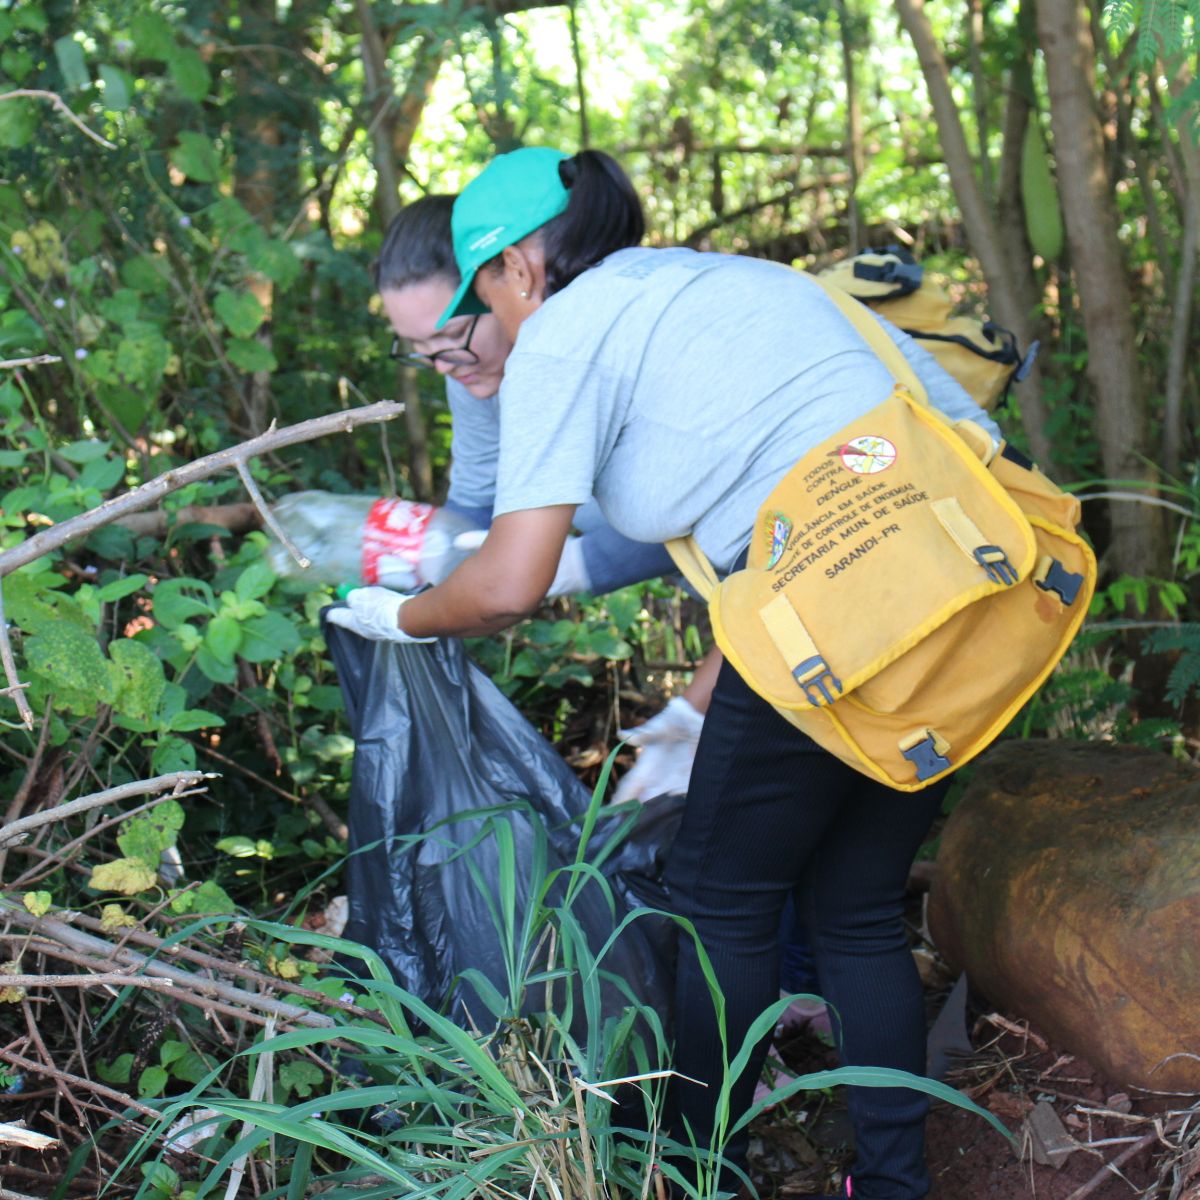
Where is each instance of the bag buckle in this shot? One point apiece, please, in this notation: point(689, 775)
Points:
point(1052, 576)
point(926, 750)
point(817, 680)
point(995, 564)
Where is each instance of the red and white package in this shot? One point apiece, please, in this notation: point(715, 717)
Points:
point(393, 535)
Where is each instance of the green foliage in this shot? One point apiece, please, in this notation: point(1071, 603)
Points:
point(1182, 642)
point(1167, 32)
point(423, 1102)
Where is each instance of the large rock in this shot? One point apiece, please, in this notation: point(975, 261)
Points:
point(1068, 888)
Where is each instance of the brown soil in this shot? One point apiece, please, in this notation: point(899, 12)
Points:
point(804, 1151)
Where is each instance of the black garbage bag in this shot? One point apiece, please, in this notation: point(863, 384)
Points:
point(439, 749)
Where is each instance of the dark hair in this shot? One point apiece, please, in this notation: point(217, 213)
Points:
point(417, 246)
point(603, 215)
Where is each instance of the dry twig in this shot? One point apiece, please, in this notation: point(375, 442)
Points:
point(49, 1071)
point(170, 481)
point(15, 689)
point(38, 360)
point(59, 931)
point(18, 1135)
point(82, 981)
point(16, 831)
point(1111, 1167)
point(233, 457)
point(61, 106)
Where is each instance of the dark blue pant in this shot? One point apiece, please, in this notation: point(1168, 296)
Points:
point(770, 814)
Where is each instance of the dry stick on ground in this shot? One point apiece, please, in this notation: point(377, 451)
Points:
point(62, 933)
point(16, 831)
point(151, 492)
point(93, 960)
point(177, 993)
point(49, 1071)
point(1110, 1168)
point(18, 1135)
point(182, 951)
point(82, 981)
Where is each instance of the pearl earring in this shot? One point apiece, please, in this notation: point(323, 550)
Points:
point(524, 295)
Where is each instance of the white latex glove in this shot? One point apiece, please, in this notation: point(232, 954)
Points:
point(372, 612)
point(667, 749)
point(572, 574)
point(471, 540)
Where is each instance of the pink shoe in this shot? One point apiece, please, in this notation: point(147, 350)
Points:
point(805, 1014)
point(775, 1077)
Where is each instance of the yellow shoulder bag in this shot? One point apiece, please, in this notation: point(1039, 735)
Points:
point(906, 591)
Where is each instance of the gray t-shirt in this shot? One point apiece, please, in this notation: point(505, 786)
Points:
point(678, 388)
point(611, 561)
point(474, 448)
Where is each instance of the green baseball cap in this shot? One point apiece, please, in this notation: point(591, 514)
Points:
point(512, 196)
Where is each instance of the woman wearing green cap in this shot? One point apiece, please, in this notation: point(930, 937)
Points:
point(416, 276)
point(678, 388)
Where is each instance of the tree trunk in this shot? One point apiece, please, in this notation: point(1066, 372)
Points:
point(1014, 235)
point(264, 175)
point(585, 138)
point(855, 159)
point(1139, 544)
point(381, 98)
point(976, 27)
point(1005, 300)
point(1175, 418)
point(420, 466)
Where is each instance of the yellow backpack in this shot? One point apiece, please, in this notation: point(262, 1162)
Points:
point(906, 590)
point(982, 356)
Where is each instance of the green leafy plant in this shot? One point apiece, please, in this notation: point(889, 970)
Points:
point(424, 1104)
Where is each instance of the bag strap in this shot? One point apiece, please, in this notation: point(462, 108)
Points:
point(687, 555)
point(694, 565)
point(868, 326)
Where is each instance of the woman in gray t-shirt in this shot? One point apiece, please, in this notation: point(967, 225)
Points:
point(678, 388)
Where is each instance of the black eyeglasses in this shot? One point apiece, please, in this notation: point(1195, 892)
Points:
point(457, 356)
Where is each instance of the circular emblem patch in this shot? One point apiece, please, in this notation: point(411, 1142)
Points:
point(867, 455)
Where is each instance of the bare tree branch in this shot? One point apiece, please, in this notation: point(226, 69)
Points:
point(268, 517)
point(85, 1085)
point(237, 518)
point(106, 953)
point(62, 106)
point(15, 689)
point(16, 831)
point(37, 360)
point(112, 979)
point(18, 1135)
point(154, 490)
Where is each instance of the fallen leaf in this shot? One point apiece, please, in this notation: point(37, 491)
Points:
point(125, 875)
point(38, 903)
point(114, 917)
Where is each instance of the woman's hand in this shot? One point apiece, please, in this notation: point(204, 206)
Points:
point(373, 612)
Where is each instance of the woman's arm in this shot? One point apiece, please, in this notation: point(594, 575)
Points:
point(501, 584)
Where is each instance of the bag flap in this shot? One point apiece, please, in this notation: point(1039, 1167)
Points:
point(874, 539)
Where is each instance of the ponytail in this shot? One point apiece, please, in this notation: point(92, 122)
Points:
point(417, 246)
point(602, 216)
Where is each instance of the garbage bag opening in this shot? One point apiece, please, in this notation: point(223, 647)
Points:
point(459, 809)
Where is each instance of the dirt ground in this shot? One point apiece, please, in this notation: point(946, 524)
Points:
point(1011, 1071)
